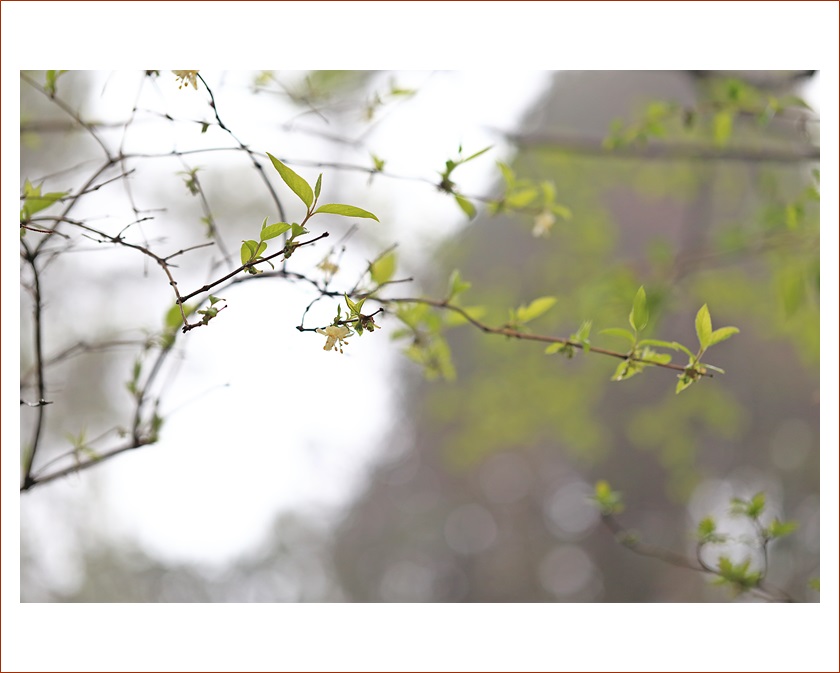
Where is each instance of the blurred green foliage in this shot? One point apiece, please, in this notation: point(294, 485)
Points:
point(742, 239)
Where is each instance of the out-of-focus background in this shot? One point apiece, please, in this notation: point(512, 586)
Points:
point(285, 473)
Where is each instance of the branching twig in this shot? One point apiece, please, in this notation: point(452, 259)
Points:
point(632, 542)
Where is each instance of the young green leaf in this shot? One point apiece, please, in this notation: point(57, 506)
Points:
point(722, 334)
point(172, 319)
point(648, 355)
point(535, 309)
point(756, 506)
point(549, 192)
point(355, 307)
point(619, 332)
point(752, 508)
point(582, 335)
point(793, 101)
point(639, 314)
point(454, 319)
point(457, 285)
point(583, 331)
point(248, 251)
point(608, 501)
point(684, 382)
point(296, 183)
point(34, 201)
point(382, 270)
point(274, 230)
point(781, 528)
point(722, 127)
point(673, 345)
point(378, 163)
point(346, 211)
point(298, 230)
point(465, 205)
point(626, 369)
point(521, 197)
point(507, 173)
point(563, 212)
point(703, 326)
point(477, 154)
point(707, 532)
point(318, 186)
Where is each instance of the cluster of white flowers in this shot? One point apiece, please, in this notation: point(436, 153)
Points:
point(339, 333)
point(186, 77)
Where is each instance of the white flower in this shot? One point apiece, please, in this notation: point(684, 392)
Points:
point(335, 333)
point(543, 223)
point(186, 77)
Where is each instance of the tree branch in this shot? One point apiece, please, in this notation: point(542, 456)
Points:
point(661, 151)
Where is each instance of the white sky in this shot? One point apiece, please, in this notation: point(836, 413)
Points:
point(534, 35)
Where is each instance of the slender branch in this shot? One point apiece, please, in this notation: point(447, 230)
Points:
point(82, 465)
point(49, 232)
point(661, 151)
point(193, 247)
point(83, 347)
point(208, 213)
point(96, 188)
point(38, 337)
point(55, 99)
point(631, 542)
point(247, 149)
point(526, 336)
point(248, 265)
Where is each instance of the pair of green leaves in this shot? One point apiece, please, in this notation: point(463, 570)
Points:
point(361, 322)
point(309, 196)
point(252, 251)
point(34, 201)
point(447, 185)
point(535, 309)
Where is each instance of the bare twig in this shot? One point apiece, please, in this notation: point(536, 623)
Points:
point(248, 265)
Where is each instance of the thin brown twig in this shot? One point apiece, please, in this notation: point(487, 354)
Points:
point(248, 265)
point(527, 336)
